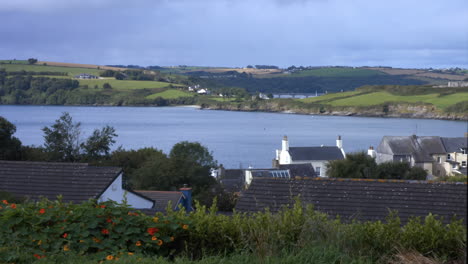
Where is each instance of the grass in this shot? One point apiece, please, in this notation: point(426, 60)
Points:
point(337, 72)
point(383, 97)
point(224, 99)
point(14, 61)
point(170, 94)
point(124, 84)
point(70, 70)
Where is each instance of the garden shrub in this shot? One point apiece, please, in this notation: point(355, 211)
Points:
point(99, 230)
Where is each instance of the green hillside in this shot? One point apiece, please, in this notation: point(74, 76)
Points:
point(72, 71)
point(170, 94)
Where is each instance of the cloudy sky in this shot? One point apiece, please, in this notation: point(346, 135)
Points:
point(398, 33)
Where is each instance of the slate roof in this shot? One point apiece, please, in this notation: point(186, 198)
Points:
point(299, 170)
point(454, 144)
point(315, 153)
point(420, 148)
point(162, 198)
point(360, 199)
point(76, 182)
point(233, 180)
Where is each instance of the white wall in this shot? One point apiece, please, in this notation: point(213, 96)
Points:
point(115, 192)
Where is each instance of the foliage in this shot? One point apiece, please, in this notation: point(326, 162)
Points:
point(62, 141)
point(360, 165)
point(453, 178)
point(99, 231)
point(10, 146)
point(187, 163)
point(93, 231)
point(32, 61)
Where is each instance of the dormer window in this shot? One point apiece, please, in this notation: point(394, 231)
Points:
point(463, 151)
point(449, 157)
point(463, 164)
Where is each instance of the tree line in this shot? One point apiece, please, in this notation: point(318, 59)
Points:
point(144, 169)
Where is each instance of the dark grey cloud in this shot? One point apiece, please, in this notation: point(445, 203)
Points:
point(236, 33)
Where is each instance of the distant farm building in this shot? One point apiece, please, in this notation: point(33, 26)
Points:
point(86, 76)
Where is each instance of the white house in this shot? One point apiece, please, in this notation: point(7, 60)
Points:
point(317, 156)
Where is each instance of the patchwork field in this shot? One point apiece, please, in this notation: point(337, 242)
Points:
point(337, 72)
point(46, 68)
point(124, 84)
point(170, 94)
point(376, 98)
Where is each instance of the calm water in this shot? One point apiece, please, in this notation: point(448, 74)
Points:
point(237, 139)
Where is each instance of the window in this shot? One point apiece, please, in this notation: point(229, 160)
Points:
point(439, 160)
point(454, 165)
point(317, 170)
point(463, 164)
point(463, 151)
point(448, 157)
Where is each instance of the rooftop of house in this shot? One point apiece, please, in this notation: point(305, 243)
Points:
point(316, 153)
point(75, 182)
point(299, 170)
point(361, 199)
point(420, 148)
point(454, 144)
point(162, 198)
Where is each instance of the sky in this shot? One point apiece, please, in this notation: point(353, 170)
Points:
point(236, 33)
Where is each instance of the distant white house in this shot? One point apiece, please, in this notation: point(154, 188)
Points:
point(318, 157)
point(202, 91)
point(85, 76)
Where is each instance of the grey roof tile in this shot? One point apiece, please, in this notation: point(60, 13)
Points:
point(76, 182)
point(316, 153)
point(361, 199)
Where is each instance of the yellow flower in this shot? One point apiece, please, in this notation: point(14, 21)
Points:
point(138, 243)
point(66, 248)
point(160, 242)
point(110, 257)
point(185, 227)
point(81, 241)
point(154, 238)
point(155, 219)
point(130, 253)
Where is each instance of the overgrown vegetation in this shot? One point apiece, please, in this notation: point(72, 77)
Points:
point(51, 231)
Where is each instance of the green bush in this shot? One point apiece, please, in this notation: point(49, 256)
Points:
point(37, 230)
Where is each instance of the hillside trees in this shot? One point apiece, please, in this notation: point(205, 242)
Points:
point(32, 60)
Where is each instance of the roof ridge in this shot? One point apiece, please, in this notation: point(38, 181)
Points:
point(298, 178)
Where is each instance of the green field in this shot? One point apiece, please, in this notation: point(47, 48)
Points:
point(386, 97)
point(14, 62)
point(337, 72)
point(328, 97)
point(124, 84)
point(170, 94)
point(70, 70)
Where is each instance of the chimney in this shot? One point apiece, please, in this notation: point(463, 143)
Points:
point(285, 144)
point(339, 142)
point(466, 134)
point(371, 152)
point(187, 203)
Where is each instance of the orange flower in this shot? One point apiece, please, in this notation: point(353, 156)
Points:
point(50, 207)
point(160, 242)
point(66, 248)
point(97, 240)
point(39, 242)
point(110, 257)
point(102, 206)
point(131, 253)
point(64, 235)
point(172, 238)
point(42, 211)
point(36, 255)
point(5, 201)
point(138, 243)
point(104, 231)
point(1, 207)
point(13, 206)
point(154, 238)
point(152, 230)
point(109, 220)
point(185, 227)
